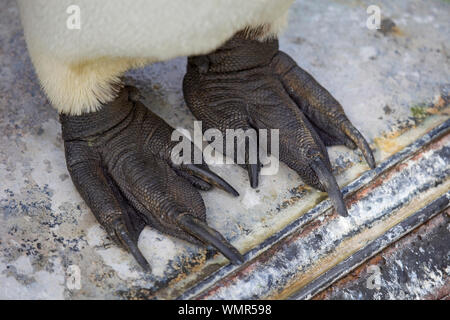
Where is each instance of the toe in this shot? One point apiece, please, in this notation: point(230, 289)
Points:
point(253, 174)
point(218, 101)
point(130, 244)
point(359, 140)
point(208, 235)
point(196, 182)
point(329, 183)
point(122, 223)
point(160, 144)
point(321, 108)
point(169, 202)
point(300, 147)
point(204, 174)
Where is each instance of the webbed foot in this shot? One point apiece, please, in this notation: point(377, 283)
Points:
point(119, 159)
point(251, 84)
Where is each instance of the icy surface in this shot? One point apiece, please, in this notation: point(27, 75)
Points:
point(45, 228)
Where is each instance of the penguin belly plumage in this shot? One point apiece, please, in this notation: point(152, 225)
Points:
point(79, 67)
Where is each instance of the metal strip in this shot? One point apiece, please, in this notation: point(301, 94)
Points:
point(368, 177)
point(340, 270)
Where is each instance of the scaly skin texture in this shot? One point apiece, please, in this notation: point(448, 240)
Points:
point(250, 84)
point(119, 159)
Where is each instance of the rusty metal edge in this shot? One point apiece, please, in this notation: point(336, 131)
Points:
point(321, 208)
point(358, 258)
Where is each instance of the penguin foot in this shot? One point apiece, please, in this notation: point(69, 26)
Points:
point(250, 84)
point(119, 159)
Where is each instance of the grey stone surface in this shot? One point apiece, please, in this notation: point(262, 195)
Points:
point(393, 84)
